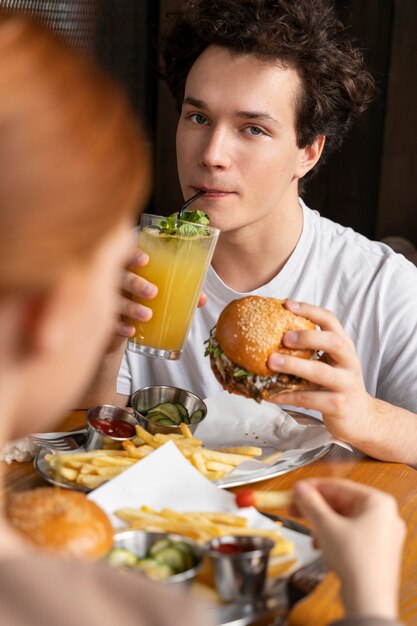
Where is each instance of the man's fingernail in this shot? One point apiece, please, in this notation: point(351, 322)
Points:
point(276, 360)
point(127, 331)
point(143, 314)
point(149, 290)
point(291, 337)
point(293, 304)
point(141, 257)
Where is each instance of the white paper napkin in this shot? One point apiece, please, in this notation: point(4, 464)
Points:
point(21, 450)
point(233, 421)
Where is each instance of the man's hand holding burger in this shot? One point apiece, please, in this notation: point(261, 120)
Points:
point(339, 392)
point(349, 412)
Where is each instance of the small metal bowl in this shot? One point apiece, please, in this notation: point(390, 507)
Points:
point(240, 575)
point(148, 397)
point(139, 542)
point(97, 440)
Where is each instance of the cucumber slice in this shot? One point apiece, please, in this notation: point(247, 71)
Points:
point(172, 557)
point(119, 557)
point(187, 554)
point(169, 410)
point(183, 411)
point(156, 417)
point(196, 416)
point(154, 569)
point(166, 421)
point(158, 545)
point(185, 548)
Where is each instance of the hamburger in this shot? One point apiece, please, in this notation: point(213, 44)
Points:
point(247, 332)
point(61, 521)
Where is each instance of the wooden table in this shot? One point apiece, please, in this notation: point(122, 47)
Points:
point(323, 604)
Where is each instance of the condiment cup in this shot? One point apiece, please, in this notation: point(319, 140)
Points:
point(148, 397)
point(240, 564)
point(97, 438)
point(139, 542)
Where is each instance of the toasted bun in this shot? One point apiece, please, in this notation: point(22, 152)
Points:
point(250, 329)
point(62, 521)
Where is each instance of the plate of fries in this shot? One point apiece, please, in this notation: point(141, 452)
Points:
point(256, 442)
point(86, 470)
point(164, 493)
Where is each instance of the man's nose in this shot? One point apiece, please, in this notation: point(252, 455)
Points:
point(216, 150)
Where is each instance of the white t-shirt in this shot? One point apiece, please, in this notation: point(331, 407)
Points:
point(371, 289)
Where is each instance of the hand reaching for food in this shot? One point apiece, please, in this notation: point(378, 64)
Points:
point(361, 534)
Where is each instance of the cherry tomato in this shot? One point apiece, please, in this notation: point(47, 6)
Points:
point(245, 497)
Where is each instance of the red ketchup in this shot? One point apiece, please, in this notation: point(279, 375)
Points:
point(113, 428)
point(233, 548)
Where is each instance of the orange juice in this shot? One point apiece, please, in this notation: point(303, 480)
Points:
point(177, 266)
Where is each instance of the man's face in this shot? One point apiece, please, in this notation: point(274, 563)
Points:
point(236, 139)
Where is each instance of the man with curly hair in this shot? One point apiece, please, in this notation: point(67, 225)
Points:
point(266, 90)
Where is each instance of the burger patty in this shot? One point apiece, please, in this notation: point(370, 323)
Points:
point(253, 385)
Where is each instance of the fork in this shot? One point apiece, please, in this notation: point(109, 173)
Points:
point(59, 441)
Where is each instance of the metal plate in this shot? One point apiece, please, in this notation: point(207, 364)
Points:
point(48, 473)
point(281, 467)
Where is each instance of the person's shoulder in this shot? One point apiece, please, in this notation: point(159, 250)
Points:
point(333, 236)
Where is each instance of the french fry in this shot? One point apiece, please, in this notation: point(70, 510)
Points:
point(219, 467)
point(278, 569)
point(109, 472)
point(272, 457)
point(232, 459)
point(186, 431)
point(245, 450)
point(87, 468)
point(68, 473)
point(90, 481)
point(198, 462)
point(180, 439)
point(105, 461)
point(147, 437)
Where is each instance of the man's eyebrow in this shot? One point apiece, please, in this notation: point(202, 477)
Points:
point(249, 115)
point(200, 104)
point(257, 115)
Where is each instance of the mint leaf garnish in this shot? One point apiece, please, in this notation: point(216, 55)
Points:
point(169, 225)
point(196, 217)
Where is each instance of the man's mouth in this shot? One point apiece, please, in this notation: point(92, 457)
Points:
point(213, 192)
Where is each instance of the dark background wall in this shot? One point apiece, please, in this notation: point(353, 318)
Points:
point(369, 184)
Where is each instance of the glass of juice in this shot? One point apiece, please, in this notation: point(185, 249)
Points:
point(178, 263)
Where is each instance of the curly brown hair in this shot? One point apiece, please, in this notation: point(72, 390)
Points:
point(304, 35)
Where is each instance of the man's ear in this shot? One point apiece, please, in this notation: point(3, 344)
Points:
point(309, 156)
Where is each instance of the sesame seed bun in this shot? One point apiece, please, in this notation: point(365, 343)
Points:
point(248, 331)
point(61, 521)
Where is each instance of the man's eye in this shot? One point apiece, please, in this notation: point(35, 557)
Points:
point(197, 118)
point(255, 130)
